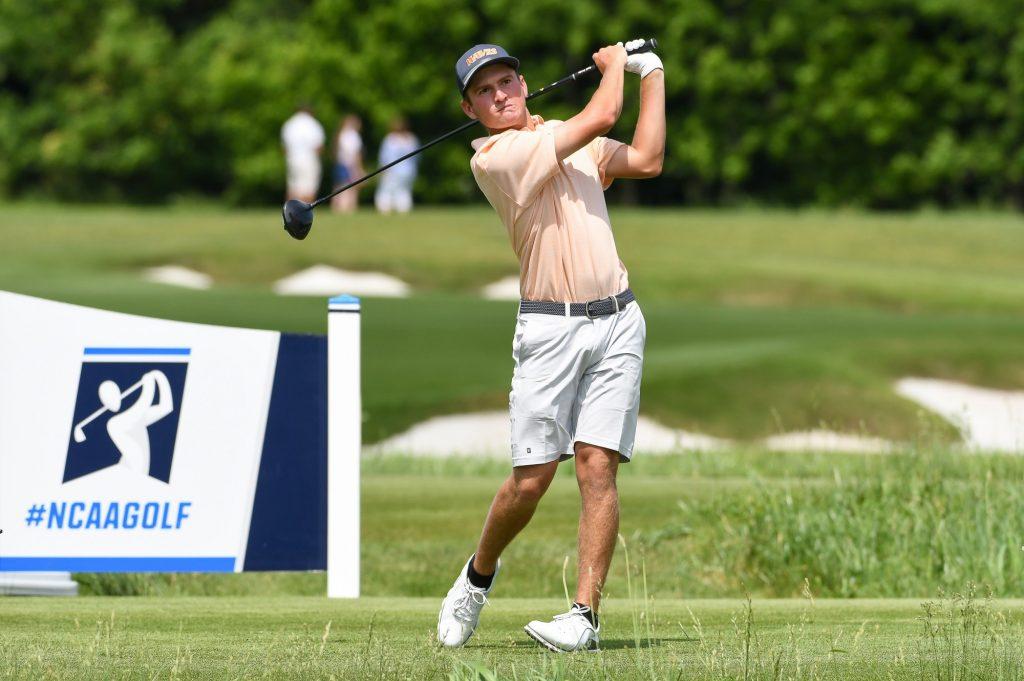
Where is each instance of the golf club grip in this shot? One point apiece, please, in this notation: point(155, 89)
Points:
point(648, 45)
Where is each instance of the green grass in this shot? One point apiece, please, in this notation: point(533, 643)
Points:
point(391, 638)
point(958, 261)
point(757, 321)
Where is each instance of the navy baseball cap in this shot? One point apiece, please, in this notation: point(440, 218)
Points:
point(477, 57)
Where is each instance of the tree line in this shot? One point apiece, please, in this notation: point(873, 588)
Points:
point(876, 103)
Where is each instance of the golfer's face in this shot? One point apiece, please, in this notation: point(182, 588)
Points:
point(497, 95)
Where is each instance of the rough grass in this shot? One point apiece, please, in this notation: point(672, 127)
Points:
point(757, 321)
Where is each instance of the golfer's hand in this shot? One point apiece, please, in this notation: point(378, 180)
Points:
point(643, 63)
point(613, 56)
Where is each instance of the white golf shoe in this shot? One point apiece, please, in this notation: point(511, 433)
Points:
point(566, 633)
point(460, 610)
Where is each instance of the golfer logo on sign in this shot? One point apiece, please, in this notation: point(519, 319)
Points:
point(127, 411)
point(129, 429)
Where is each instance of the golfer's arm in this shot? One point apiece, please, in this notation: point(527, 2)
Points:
point(597, 117)
point(644, 156)
point(165, 400)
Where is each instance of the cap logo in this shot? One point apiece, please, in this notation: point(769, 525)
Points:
point(480, 53)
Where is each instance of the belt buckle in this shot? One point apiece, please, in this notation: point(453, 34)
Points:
point(586, 307)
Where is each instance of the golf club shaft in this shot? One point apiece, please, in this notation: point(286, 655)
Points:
point(364, 178)
point(647, 46)
point(89, 419)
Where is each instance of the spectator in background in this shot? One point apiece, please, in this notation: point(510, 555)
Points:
point(348, 163)
point(303, 139)
point(395, 189)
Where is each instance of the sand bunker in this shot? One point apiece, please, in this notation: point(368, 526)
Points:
point(826, 441)
point(324, 280)
point(503, 289)
point(487, 434)
point(989, 420)
point(176, 275)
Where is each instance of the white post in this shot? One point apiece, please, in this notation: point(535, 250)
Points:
point(344, 441)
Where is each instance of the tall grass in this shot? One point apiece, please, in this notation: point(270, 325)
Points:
point(887, 526)
point(716, 525)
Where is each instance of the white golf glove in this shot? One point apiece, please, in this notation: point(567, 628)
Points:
point(641, 62)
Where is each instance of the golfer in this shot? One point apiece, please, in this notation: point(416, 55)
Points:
point(128, 429)
point(579, 338)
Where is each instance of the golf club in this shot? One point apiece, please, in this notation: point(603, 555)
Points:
point(79, 431)
point(298, 215)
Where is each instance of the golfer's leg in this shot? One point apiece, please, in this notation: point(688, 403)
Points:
point(596, 468)
point(403, 197)
point(511, 510)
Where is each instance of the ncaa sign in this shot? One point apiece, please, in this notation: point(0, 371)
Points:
point(128, 443)
point(136, 444)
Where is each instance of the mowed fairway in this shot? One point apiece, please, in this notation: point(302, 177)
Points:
point(758, 322)
point(389, 638)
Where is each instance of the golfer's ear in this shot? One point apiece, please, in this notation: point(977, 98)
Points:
point(522, 81)
point(467, 109)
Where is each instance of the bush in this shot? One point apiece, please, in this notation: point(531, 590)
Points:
point(879, 103)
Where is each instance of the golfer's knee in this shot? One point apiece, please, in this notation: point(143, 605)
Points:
point(530, 486)
point(596, 469)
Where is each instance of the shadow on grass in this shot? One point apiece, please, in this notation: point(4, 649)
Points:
point(623, 643)
point(606, 645)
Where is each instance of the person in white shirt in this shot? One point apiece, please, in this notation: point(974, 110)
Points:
point(394, 193)
point(302, 137)
point(348, 163)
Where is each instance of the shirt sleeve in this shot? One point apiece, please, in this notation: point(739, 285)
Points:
point(602, 149)
point(520, 163)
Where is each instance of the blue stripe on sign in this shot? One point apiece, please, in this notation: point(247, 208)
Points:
point(118, 564)
point(288, 526)
point(138, 351)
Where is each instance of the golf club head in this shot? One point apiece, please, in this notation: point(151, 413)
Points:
point(298, 218)
point(79, 434)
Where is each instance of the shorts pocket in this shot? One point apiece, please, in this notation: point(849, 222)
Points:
point(534, 437)
point(537, 342)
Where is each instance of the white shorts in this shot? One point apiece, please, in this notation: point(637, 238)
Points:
point(575, 380)
point(393, 195)
point(303, 177)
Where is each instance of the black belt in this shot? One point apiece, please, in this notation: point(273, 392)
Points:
point(594, 308)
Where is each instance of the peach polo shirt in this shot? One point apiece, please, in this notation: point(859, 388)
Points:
point(554, 212)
